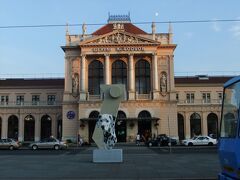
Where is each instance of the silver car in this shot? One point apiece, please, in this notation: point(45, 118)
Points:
point(9, 144)
point(47, 143)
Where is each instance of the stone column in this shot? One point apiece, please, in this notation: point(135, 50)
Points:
point(83, 78)
point(4, 126)
point(68, 75)
point(187, 126)
point(131, 78)
point(37, 134)
point(155, 76)
point(107, 69)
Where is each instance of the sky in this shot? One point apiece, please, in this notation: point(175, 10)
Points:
point(202, 48)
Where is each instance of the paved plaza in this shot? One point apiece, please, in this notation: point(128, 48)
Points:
point(139, 163)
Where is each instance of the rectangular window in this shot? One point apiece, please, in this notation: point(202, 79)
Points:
point(177, 97)
point(4, 100)
point(20, 100)
point(35, 99)
point(220, 97)
point(51, 99)
point(190, 97)
point(206, 97)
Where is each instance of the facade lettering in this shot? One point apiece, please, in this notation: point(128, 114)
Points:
point(118, 49)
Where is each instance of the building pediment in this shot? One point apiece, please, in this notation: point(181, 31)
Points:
point(117, 38)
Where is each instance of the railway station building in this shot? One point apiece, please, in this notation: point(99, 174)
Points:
point(155, 101)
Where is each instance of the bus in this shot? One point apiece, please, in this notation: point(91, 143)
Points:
point(229, 140)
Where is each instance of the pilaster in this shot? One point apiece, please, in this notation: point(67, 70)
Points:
point(37, 134)
point(68, 75)
point(187, 126)
point(204, 124)
point(21, 128)
point(83, 95)
point(4, 126)
point(54, 125)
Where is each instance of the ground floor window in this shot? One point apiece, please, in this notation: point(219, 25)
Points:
point(145, 125)
point(120, 127)
point(195, 124)
point(13, 127)
point(46, 126)
point(181, 127)
point(29, 128)
point(212, 123)
point(91, 124)
point(0, 127)
point(59, 129)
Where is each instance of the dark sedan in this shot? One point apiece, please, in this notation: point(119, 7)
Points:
point(162, 140)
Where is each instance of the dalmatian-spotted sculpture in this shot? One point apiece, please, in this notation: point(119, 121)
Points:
point(107, 123)
point(104, 133)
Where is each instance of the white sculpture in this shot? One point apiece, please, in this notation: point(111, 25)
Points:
point(163, 83)
point(75, 84)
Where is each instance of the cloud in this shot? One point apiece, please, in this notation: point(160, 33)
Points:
point(216, 27)
point(189, 35)
point(235, 30)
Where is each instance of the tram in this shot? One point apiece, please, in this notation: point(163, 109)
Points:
point(229, 140)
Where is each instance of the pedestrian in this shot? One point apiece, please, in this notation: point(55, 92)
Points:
point(138, 139)
point(80, 140)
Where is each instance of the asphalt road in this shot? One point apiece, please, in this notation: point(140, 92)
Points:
point(139, 163)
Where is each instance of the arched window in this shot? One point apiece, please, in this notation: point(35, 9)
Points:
point(29, 128)
point(142, 77)
point(144, 124)
point(195, 124)
point(95, 77)
point(181, 127)
point(93, 116)
point(119, 73)
point(212, 123)
point(46, 126)
point(13, 127)
point(120, 127)
point(0, 127)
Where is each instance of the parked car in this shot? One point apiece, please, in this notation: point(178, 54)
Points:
point(162, 140)
point(200, 140)
point(9, 143)
point(48, 143)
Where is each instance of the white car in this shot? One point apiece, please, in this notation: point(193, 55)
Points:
point(200, 140)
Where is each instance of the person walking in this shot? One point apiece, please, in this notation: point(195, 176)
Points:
point(138, 139)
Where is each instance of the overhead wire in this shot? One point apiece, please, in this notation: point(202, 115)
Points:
point(99, 24)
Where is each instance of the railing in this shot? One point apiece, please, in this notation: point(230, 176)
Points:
point(30, 103)
point(199, 102)
point(143, 96)
point(94, 97)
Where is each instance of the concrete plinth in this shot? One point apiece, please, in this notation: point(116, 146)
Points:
point(107, 156)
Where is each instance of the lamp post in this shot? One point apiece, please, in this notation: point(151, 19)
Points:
point(170, 143)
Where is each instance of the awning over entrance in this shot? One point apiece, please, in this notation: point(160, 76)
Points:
point(127, 119)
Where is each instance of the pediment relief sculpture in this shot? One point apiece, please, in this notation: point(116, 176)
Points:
point(119, 38)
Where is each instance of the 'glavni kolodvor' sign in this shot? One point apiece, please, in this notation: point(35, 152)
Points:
point(118, 49)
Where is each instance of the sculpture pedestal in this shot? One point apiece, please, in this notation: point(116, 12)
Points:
point(107, 156)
